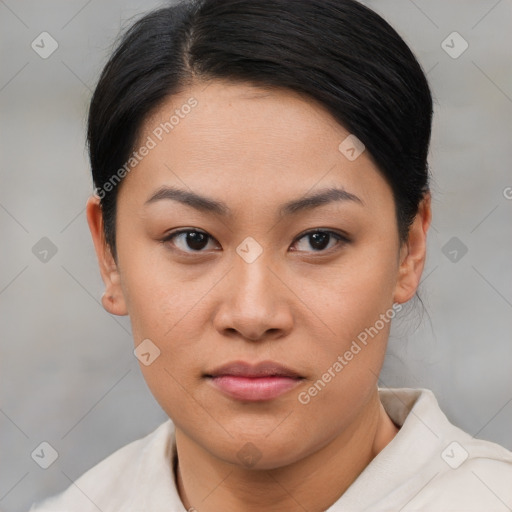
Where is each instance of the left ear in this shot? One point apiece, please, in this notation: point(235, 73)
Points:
point(413, 253)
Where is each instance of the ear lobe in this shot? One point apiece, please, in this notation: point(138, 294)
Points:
point(113, 298)
point(413, 253)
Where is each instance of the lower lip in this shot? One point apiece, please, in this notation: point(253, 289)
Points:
point(254, 389)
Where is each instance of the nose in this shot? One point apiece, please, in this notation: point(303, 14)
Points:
point(255, 304)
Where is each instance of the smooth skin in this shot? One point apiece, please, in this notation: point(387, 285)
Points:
point(300, 303)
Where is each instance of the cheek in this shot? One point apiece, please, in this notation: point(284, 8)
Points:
point(357, 307)
point(165, 310)
point(166, 304)
point(158, 292)
point(352, 295)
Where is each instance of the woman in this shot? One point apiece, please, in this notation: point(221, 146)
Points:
point(261, 211)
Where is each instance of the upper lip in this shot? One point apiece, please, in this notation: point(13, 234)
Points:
point(262, 369)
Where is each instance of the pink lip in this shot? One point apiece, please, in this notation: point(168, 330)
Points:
point(254, 388)
point(263, 381)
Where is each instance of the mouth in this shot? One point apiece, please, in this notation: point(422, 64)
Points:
point(255, 383)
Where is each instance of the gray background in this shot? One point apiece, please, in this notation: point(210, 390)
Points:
point(68, 375)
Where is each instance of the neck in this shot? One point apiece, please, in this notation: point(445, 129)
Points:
point(314, 483)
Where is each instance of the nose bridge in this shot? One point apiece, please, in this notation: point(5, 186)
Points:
point(253, 274)
point(255, 287)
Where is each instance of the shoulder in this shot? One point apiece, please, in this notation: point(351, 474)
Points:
point(482, 481)
point(109, 485)
point(467, 473)
point(443, 467)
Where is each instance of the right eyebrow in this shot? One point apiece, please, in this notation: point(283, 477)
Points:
point(210, 205)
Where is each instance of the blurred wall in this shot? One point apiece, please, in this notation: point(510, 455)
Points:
point(68, 374)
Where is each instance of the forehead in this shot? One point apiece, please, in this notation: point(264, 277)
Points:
point(244, 115)
point(223, 136)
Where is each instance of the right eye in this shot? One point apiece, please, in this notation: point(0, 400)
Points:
point(185, 239)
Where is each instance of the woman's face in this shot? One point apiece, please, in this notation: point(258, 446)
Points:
point(251, 281)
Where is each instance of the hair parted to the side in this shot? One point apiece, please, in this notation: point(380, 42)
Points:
point(338, 52)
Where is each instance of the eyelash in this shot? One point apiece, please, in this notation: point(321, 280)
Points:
point(341, 239)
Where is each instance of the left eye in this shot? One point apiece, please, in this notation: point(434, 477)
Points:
point(197, 240)
point(319, 240)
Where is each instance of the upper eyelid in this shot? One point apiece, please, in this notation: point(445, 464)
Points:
point(340, 236)
point(181, 231)
point(300, 235)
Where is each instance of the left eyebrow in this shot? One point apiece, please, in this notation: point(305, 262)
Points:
point(322, 197)
point(210, 205)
